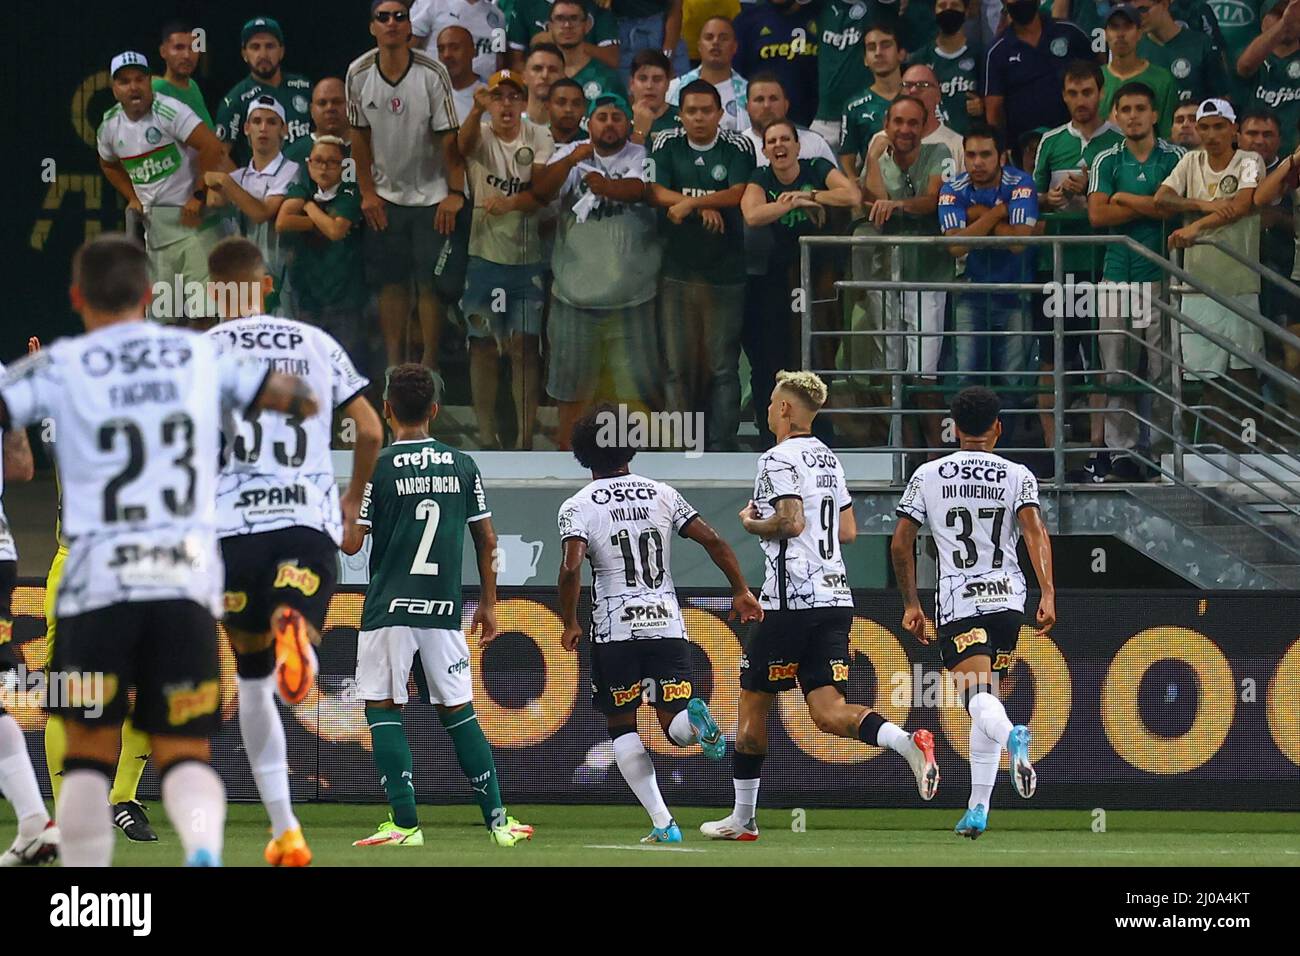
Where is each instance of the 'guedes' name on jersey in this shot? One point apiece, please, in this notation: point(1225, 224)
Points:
point(276, 470)
point(970, 500)
point(136, 409)
point(628, 523)
point(416, 505)
point(805, 571)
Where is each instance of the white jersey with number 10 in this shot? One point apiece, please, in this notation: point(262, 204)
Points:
point(971, 501)
point(805, 571)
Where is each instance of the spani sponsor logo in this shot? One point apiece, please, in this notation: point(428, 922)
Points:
point(646, 612)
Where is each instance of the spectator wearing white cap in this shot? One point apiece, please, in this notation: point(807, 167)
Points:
point(504, 293)
point(154, 151)
point(261, 42)
point(481, 19)
point(411, 176)
point(1215, 186)
point(257, 190)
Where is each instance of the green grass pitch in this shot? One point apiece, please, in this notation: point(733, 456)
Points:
point(609, 836)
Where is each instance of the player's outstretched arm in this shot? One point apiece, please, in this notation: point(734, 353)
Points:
point(365, 450)
point(743, 603)
point(485, 547)
point(288, 394)
point(902, 553)
point(18, 464)
point(570, 584)
point(1039, 545)
point(848, 525)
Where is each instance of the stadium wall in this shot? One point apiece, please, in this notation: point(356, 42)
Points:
point(1150, 700)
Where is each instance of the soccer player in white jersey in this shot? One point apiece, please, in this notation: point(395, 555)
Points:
point(38, 838)
point(623, 524)
point(136, 409)
point(977, 505)
point(802, 513)
point(280, 525)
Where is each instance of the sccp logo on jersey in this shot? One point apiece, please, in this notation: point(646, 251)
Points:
point(948, 469)
point(300, 579)
point(819, 459)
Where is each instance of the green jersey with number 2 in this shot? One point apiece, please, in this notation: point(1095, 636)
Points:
point(416, 505)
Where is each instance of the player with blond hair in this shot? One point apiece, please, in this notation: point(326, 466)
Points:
point(802, 514)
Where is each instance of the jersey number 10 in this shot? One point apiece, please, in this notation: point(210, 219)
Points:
point(652, 557)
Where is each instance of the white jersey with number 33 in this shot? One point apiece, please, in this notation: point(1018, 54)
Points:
point(277, 471)
point(805, 571)
point(628, 523)
point(135, 409)
point(971, 501)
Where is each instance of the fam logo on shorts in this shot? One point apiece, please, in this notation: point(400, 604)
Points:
point(235, 601)
point(976, 635)
point(300, 579)
point(625, 695)
point(839, 671)
point(776, 672)
point(153, 135)
point(675, 690)
point(186, 702)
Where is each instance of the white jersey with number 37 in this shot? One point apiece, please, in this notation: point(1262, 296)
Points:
point(805, 571)
point(135, 409)
point(628, 523)
point(971, 501)
point(277, 471)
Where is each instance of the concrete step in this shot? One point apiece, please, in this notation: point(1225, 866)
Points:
point(1245, 542)
point(1287, 575)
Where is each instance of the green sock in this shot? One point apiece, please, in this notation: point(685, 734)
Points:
point(393, 760)
point(475, 757)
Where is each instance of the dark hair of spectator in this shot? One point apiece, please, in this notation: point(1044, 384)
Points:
point(565, 82)
point(1135, 89)
point(234, 259)
point(784, 121)
point(887, 27)
point(1259, 113)
point(974, 410)
point(175, 26)
point(112, 272)
point(1082, 70)
point(1027, 139)
point(703, 87)
point(569, 3)
point(907, 98)
point(767, 76)
point(411, 393)
point(601, 456)
point(979, 130)
point(652, 58)
point(545, 47)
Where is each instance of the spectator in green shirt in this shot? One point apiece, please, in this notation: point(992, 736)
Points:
point(178, 50)
point(652, 71)
point(329, 117)
point(328, 276)
point(1271, 65)
point(1188, 54)
point(1125, 66)
point(1121, 197)
point(569, 24)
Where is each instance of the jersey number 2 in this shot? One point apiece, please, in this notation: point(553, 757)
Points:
point(428, 512)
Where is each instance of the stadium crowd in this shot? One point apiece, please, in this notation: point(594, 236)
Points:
point(603, 199)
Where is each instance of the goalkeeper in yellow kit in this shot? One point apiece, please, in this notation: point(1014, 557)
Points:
point(128, 813)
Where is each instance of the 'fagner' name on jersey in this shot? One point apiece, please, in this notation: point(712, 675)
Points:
point(628, 523)
point(970, 500)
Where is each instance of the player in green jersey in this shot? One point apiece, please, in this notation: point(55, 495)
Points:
point(415, 509)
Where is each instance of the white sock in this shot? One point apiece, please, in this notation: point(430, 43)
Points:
point(18, 779)
point(895, 738)
point(639, 771)
point(746, 799)
point(988, 714)
point(680, 730)
point(985, 754)
point(195, 801)
point(268, 754)
point(85, 819)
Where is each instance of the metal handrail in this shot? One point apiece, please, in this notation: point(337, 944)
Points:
point(1252, 401)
